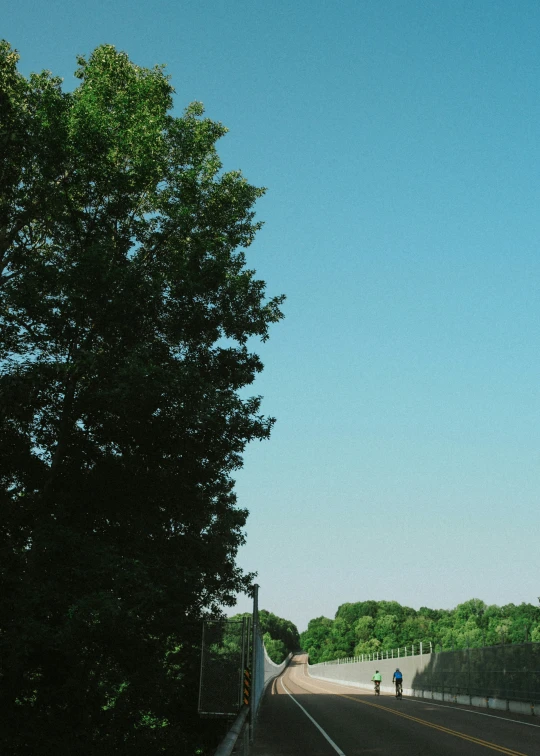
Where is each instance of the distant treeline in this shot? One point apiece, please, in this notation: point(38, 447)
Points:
point(366, 627)
point(279, 635)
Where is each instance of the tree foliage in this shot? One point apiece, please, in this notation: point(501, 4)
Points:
point(280, 636)
point(366, 627)
point(283, 633)
point(125, 313)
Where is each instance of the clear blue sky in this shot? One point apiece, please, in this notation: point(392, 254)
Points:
point(399, 142)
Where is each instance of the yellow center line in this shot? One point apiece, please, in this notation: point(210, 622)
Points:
point(447, 730)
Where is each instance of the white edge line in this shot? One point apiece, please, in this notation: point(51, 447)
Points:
point(427, 702)
point(317, 725)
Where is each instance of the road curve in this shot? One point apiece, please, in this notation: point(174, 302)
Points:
point(301, 716)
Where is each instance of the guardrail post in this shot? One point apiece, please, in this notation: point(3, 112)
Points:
point(254, 660)
point(243, 665)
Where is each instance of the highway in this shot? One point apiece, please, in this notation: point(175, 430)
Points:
point(300, 716)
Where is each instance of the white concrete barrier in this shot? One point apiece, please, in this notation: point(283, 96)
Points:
point(359, 674)
point(271, 669)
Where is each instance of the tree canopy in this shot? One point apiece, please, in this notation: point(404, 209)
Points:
point(366, 627)
point(280, 636)
point(126, 308)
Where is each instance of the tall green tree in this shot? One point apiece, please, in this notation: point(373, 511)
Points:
point(280, 636)
point(125, 313)
point(316, 639)
point(281, 630)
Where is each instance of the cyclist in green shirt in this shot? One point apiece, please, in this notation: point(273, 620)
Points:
point(377, 678)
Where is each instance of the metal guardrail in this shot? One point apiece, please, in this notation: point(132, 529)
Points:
point(228, 743)
point(414, 649)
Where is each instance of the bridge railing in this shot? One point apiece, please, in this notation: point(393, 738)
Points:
point(413, 649)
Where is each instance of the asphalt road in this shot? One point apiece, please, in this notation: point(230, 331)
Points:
point(300, 716)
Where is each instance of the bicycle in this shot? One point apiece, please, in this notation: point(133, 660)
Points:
point(399, 688)
point(377, 687)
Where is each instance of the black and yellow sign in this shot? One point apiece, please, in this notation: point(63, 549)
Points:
point(247, 685)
